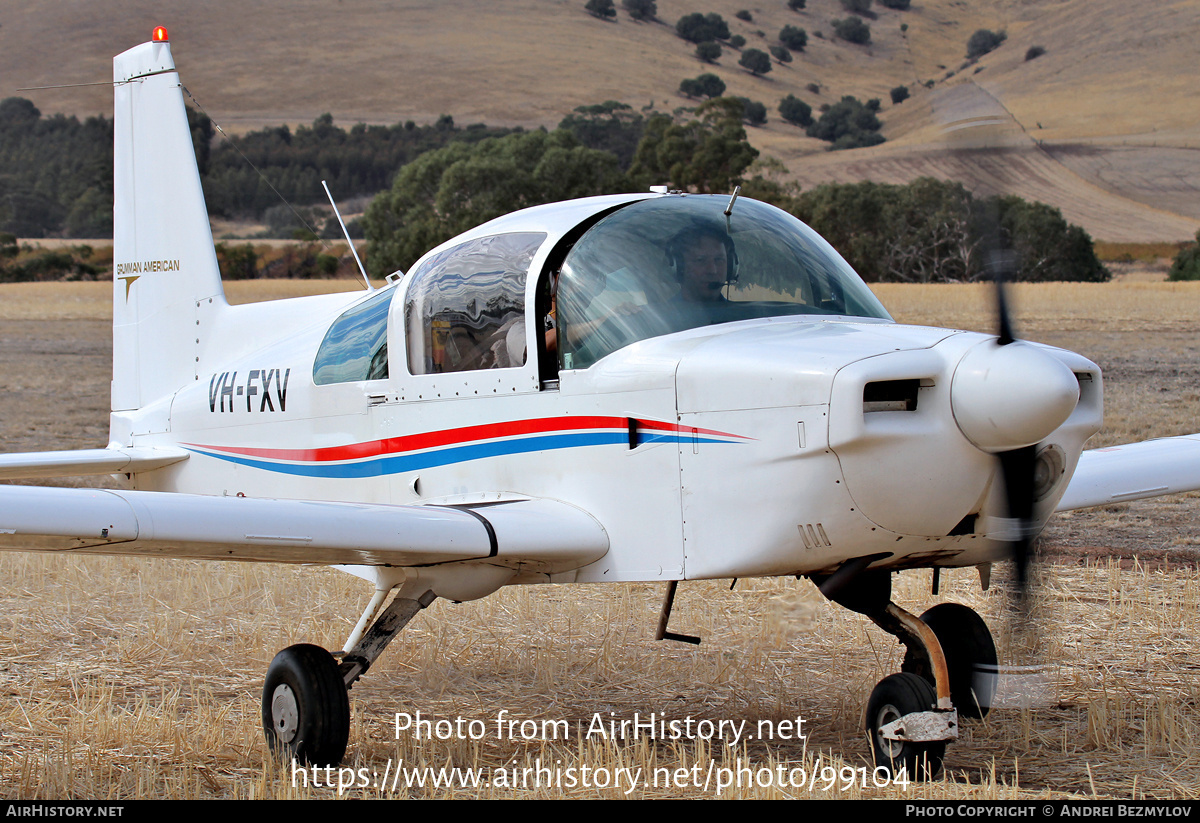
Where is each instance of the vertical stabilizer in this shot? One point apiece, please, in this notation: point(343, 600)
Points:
point(164, 262)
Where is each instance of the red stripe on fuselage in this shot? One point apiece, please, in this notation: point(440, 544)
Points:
point(450, 437)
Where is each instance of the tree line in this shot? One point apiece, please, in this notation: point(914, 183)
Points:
point(56, 175)
point(56, 172)
point(926, 231)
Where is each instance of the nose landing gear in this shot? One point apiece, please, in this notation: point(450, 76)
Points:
point(893, 713)
point(911, 716)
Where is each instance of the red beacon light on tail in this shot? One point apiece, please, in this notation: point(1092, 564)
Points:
point(160, 35)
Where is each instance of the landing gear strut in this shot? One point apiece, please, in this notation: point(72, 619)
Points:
point(912, 715)
point(305, 701)
point(970, 657)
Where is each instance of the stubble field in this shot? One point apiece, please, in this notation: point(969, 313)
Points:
point(126, 678)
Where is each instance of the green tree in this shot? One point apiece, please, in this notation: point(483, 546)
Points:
point(447, 191)
point(768, 180)
point(706, 154)
point(899, 94)
point(237, 262)
point(1034, 52)
point(707, 85)
point(700, 28)
point(935, 231)
point(709, 52)
point(603, 9)
point(755, 61)
point(1187, 262)
point(897, 5)
point(744, 14)
point(753, 112)
point(795, 111)
point(852, 30)
point(781, 54)
point(983, 41)
point(794, 37)
point(796, 5)
point(91, 215)
point(862, 7)
point(848, 124)
point(641, 9)
point(736, 41)
point(1045, 245)
point(608, 126)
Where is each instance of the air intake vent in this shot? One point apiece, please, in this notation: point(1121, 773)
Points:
point(890, 395)
point(814, 536)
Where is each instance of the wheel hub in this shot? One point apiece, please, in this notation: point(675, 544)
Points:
point(285, 714)
point(888, 714)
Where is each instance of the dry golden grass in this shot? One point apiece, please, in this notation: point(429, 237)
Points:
point(1048, 308)
point(93, 301)
point(124, 678)
point(1143, 252)
point(140, 679)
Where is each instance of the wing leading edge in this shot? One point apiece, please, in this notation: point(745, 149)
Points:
point(1122, 473)
point(535, 535)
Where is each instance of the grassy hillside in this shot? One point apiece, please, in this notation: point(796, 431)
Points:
point(1107, 118)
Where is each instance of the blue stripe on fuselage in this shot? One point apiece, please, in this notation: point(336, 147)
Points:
point(400, 463)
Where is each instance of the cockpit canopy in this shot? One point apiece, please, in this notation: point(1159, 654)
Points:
point(601, 280)
point(667, 264)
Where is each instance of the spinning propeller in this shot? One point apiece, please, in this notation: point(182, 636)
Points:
point(1017, 466)
point(1007, 397)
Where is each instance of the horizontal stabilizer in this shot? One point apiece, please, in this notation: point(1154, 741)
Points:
point(1121, 473)
point(528, 534)
point(87, 461)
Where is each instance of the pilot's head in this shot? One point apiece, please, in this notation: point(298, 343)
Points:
point(704, 261)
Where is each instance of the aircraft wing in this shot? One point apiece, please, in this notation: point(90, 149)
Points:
point(537, 535)
point(1122, 473)
point(88, 461)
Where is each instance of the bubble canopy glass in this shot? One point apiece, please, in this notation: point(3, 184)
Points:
point(673, 263)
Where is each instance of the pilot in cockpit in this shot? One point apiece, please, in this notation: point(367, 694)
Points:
point(705, 262)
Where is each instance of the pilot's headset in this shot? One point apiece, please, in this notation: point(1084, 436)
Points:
point(690, 237)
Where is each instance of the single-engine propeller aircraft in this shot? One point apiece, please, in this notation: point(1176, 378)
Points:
point(643, 387)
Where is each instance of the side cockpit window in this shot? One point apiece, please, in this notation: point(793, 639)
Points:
point(465, 308)
point(355, 347)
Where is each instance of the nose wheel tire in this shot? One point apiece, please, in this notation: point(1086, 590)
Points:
point(305, 707)
point(970, 656)
point(896, 696)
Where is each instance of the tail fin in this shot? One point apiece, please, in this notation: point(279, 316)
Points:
point(164, 263)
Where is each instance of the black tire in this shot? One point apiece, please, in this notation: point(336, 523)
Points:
point(970, 656)
point(895, 696)
point(305, 706)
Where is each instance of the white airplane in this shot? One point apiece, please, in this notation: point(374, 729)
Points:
point(720, 396)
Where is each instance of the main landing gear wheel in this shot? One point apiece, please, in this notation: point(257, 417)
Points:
point(894, 697)
point(305, 707)
point(970, 656)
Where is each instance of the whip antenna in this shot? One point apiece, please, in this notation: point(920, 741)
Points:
point(342, 223)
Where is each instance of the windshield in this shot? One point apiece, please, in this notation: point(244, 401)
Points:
point(672, 263)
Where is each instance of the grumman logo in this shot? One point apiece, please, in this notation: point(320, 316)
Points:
point(145, 266)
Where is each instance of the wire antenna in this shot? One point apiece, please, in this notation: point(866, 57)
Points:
point(342, 223)
point(217, 126)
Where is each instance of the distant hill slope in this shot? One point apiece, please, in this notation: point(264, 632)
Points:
point(1112, 102)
